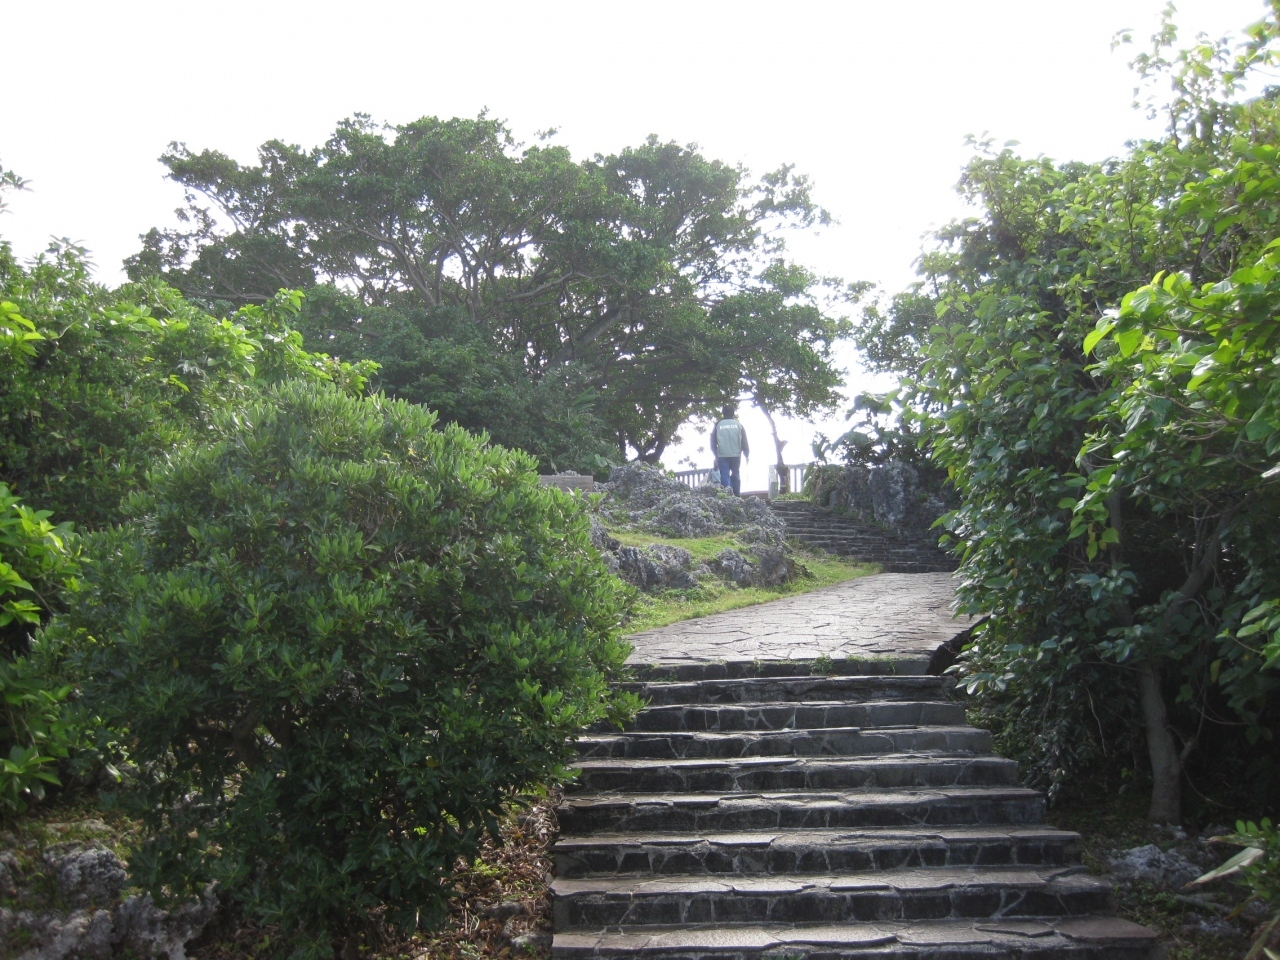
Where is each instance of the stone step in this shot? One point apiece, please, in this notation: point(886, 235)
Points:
point(877, 553)
point(755, 811)
point(694, 671)
point(802, 529)
point(783, 715)
point(1080, 938)
point(848, 532)
point(813, 810)
point(825, 742)
point(794, 773)
point(945, 893)
point(824, 689)
point(853, 545)
point(814, 851)
point(849, 537)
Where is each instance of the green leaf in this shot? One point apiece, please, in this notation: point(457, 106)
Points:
point(1233, 866)
point(1258, 429)
point(1096, 335)
point(1128, 340)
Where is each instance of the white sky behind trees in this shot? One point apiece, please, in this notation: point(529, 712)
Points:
point(873, 100)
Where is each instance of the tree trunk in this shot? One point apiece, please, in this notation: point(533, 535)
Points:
point(784, 475)
point(1166, 764)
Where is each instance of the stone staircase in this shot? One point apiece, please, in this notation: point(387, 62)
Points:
point(830, 531)
point(846, 816)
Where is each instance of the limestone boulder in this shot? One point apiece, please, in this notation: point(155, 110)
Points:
point(656, 567)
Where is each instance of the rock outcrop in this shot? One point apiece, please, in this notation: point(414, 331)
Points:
point(644, 498)
point(89, 880)
point(890, 495)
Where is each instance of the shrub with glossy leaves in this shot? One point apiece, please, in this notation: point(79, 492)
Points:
point(36, 561)
point(339, 640)
point(1113, 440)
point(95, 383)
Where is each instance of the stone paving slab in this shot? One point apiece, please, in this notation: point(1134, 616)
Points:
point(934, 939)
point(885, 616)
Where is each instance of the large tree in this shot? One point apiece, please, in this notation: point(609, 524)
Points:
point(611, 280)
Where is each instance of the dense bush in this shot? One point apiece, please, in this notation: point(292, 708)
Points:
point(1112, 441)
point(339, 640)
point(95, 384)
point(36, 561)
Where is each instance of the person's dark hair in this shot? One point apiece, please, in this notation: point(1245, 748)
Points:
point(728, 412)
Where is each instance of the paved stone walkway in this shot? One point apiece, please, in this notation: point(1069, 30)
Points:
point(889, 615)
point(761, 809)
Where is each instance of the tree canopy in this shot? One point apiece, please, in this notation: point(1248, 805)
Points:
point(622, 294)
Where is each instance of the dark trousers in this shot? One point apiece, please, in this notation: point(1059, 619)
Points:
point(729, 475)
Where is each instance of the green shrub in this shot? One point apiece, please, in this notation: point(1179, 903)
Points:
point(95, 384)
point(340, 640)
point(35, 560)
point(35, 731)
point(1112, 439)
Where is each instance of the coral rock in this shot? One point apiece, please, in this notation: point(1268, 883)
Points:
point(1165, 870)
point(89, 876)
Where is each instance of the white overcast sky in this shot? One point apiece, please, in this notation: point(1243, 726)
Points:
point(872, 100)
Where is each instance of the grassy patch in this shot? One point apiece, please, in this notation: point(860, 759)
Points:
point(672, 606)
point(702, 548)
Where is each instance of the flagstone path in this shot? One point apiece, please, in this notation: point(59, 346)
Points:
point(899, 616)
point(800, 786)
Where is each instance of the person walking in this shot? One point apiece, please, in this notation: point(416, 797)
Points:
point(729, 445)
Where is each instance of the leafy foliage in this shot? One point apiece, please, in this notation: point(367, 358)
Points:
point(1258, 865)
point(1115, 518)
point(339, 640)
point(880, 435)
point(435, 359)
point(1193, 429)
point(97, 384)
point(648, 282)
point(36, 561)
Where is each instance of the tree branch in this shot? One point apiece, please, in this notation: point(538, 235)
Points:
point(1204, 558)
